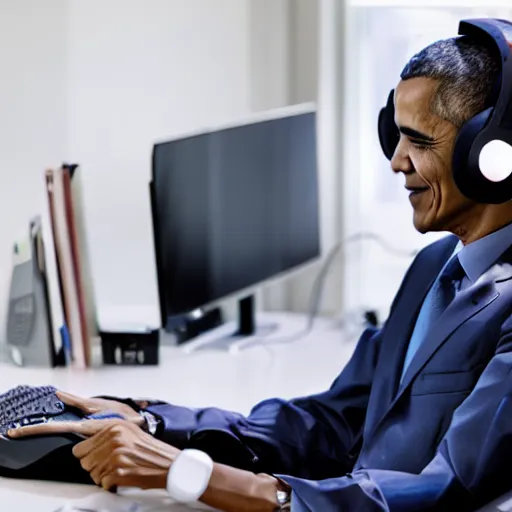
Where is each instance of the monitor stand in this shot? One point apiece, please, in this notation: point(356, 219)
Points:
point(224, 338)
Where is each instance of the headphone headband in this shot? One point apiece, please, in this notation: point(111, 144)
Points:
point(498, 33)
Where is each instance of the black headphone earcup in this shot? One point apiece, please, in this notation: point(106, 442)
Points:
point(388, 132)
point(463, 144)
point(466, 168)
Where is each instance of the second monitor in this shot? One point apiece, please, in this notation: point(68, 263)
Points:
point(234, 207)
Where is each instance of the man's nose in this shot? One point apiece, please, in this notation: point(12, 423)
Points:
point(400, 162)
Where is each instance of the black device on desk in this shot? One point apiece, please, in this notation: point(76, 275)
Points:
point(234, 207)
point(47, 457)
point(130, 347)
point(29, 331)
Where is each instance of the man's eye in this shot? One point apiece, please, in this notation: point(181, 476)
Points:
point(421, 146)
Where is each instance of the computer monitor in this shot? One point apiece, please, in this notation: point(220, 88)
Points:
point(234, 207)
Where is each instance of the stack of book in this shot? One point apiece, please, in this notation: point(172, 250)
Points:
point(66, 213)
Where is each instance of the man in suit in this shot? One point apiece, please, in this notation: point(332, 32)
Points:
point(421, 416)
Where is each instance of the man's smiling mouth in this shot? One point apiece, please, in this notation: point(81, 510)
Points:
point(416, 190)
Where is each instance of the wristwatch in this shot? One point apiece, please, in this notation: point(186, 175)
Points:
point(284, 498)
point(150, 424)
point(189, 475)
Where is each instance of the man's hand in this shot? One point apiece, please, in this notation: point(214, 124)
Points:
point(116, 453)
point(122, 455)
point(84, 428)
point(95, 406)
point(92, 407)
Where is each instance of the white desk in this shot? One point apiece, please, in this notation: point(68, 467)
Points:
point(202, 378)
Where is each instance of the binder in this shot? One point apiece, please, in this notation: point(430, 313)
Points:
point(80, 254)
point(55, 186)
point(64, 189)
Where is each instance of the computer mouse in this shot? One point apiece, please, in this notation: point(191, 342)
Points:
point(46, 457)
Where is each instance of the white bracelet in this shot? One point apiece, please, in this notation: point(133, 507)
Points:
point(189, 475)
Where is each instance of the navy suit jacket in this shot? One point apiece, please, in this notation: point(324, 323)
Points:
point(441, 440)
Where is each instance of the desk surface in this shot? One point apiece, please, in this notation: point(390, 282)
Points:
point(233, 381)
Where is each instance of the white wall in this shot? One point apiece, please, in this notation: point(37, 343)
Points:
point(295, 58)
point(269, 59)
point(315, 70)
point(305, 46)
point(269, 53)
point(33, 117)
point(98, 82)
point(140, 72)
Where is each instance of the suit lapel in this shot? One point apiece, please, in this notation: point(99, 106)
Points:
point(398, 331)
point(467, 304)
point(399, 328)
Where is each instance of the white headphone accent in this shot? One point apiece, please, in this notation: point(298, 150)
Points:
point(495, 160)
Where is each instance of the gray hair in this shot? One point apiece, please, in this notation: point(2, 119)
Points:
point(466, 70)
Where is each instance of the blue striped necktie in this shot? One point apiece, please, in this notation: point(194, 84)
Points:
point(437, 300)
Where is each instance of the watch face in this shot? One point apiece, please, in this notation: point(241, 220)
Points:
point(283, 497)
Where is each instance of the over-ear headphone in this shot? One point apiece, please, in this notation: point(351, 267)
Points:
point(482, 158)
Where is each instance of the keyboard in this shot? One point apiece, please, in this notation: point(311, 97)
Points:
point(41, 457)
point(44, 457)
point(28, 405)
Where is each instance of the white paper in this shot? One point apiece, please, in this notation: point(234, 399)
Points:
point(129, 500)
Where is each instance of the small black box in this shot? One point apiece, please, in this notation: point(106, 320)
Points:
point(188, 327)
point(130, 348)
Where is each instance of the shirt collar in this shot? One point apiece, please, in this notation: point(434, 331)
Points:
point(478, 256)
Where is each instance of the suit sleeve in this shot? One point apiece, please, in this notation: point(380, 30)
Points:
point(316, 435)
point(471, 466)
point(312, 437)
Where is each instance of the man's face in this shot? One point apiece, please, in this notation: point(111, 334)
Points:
point(424, 156)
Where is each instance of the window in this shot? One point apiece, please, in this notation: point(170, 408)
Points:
point(381, 37)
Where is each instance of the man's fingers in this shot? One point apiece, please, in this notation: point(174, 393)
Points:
point(82, 449)
point(101, 437)
point(91, 444)
point(99, 471)
point(96, 454)
point(85, 427)
point(103, 461)
point(142, 478)
point(54, 427)
point(74, 401)
point(112, 480)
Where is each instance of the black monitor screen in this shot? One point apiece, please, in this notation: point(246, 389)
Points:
point(233, 208)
